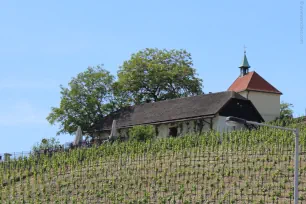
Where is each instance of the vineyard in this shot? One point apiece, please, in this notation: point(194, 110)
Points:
point(236, 167)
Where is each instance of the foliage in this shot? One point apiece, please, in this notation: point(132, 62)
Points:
point(155, 75)
point(142, 132)
point(231, 167)
point(285, 110)
point(150, 75)
point(89, 97)
point(51, 143)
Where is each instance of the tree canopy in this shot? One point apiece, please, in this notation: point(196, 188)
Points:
point(285, 110)
point(88, 98)
point(149, 75)
point(155, 75)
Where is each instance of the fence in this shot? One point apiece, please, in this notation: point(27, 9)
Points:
point(48, 151)
point(14, 155)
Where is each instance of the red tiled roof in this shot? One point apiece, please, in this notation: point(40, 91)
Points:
point(252, 82)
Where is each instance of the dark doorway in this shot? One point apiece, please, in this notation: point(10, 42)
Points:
point(173, 132)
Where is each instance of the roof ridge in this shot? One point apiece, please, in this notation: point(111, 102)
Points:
point(253, 81)
point(267, 81)
point(273, 87)
point(184, 97)
point(250, 77)
point(229, 94)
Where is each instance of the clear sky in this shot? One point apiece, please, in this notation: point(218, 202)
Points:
point(45, 43)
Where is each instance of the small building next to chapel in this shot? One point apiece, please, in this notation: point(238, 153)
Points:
point(180, 116)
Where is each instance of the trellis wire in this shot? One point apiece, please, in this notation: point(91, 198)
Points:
point(243, 166)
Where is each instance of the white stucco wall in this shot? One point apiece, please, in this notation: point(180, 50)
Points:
point(219, 124)
point(163, 130)
point(188, 127)
point(267, 104)
point(184, 127)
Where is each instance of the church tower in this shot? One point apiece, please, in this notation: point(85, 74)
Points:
point(264, 96)
point(244, 67)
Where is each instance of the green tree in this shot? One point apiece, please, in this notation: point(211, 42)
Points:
point(142, 132)
point(155, 75)
point(90, 96)
point(285, 110)
point(51, 143)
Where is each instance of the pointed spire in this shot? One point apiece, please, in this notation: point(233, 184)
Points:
point(245, 63)
point(244, 67)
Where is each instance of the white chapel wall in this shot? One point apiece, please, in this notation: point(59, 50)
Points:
point(267, 104)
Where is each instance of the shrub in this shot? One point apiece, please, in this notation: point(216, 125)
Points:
point(52, 143)
point(142, 132)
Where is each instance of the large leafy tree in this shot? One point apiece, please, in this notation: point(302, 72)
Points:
point(89, 97)
point(286, 110)
point(155, 75)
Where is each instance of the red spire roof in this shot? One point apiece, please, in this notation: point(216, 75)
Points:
point(252, 82)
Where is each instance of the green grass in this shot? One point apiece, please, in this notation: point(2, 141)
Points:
point(238, 167)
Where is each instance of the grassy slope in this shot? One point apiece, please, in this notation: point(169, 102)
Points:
point(246, 167)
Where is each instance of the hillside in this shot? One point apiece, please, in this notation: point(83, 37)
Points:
point(237, 167)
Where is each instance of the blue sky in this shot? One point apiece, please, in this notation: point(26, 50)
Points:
point(45, 43)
